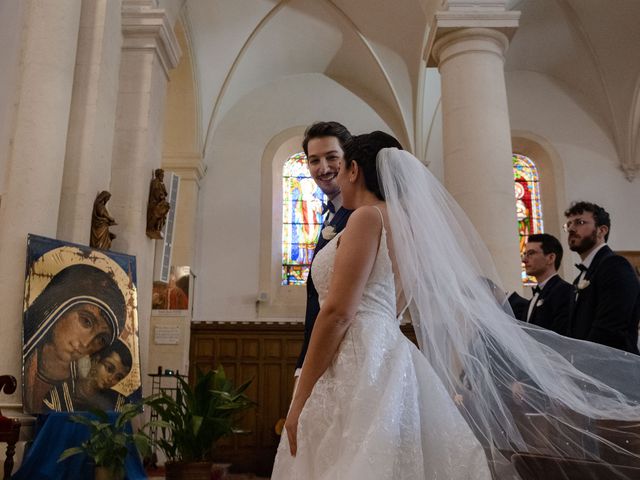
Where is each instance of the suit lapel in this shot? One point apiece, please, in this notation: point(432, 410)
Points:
point(549, 286)
point(603, 253)
point(543, 294)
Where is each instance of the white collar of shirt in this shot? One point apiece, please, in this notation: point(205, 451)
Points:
point(542, 284)
point(337, 205)
point(337, 202)
point(587, 261)
point(534, 301)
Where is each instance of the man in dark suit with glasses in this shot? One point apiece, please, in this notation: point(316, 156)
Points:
point(605, 307)
point(550, 305)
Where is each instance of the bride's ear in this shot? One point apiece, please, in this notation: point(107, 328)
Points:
point(354, 169)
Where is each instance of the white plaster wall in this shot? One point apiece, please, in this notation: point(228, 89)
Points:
point(432, 151)
point(591, 167)
point(228, 249)
point(11, 12)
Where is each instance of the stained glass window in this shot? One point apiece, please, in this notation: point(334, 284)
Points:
point(301, 219)
point(528, 205)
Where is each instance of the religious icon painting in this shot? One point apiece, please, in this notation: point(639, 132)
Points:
point(80, 328)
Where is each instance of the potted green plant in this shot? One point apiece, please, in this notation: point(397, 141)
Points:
point(191, 423)
point(109, 441)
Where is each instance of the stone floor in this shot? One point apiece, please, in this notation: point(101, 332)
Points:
point(231, 476)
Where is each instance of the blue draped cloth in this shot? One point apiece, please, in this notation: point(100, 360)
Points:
point(54, 434)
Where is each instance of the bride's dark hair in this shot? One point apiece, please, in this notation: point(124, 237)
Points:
point(363, 149)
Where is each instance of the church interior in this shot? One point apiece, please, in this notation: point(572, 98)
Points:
point(97, 95)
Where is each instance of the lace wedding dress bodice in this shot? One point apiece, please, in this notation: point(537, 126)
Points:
point(379, 295)
point(379, 411)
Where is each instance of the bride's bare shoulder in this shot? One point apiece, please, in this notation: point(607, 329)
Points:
point(366, 216)
point(363, 223)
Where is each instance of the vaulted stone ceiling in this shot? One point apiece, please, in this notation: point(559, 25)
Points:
point(374, 48)
point(590, 48)
point(371, 47)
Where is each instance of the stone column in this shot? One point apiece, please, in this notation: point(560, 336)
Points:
point(87, 168)
point(149, 51)
point(30, 203)
point(477, 138)
point(190, 169)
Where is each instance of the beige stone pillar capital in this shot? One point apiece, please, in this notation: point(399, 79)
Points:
point(469, 41)
point(147, 28)
point(189, 165)
point(470, 19)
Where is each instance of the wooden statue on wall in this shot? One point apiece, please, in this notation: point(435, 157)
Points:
point(101, 237)
point(158, 206)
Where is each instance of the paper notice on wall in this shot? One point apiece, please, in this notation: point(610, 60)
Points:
point(166, 335)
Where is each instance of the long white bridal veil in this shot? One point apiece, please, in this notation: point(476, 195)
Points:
point(522, 389)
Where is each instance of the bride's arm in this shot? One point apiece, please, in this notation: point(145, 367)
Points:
point(352, 266)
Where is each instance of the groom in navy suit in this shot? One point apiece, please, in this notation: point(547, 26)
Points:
point(606, 305)
point(323, 145)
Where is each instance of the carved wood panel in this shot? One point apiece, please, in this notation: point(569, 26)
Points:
point(266, 353)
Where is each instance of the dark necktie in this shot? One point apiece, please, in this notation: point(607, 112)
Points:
point(581, 267)
point(537, 290)
point(328, 207)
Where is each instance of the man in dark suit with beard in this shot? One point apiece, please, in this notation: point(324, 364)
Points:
point(606, 305)
point(323, 144)
point(550, 306)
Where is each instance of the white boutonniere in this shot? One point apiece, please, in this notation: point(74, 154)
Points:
point(328, 232)
point(584, 283)
point(540, 302)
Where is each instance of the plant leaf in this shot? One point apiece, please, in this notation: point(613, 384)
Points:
point(69, 452)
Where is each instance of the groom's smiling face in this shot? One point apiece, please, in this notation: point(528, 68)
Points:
point(324, 154)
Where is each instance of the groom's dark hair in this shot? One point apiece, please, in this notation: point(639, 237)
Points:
point(549, 244)
point(363, 149)
point(325, 129)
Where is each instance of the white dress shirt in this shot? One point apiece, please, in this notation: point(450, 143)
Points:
point(589, 260)
point(337, 205)
point(534, 300)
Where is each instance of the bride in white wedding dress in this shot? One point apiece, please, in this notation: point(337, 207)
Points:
point(369, 405)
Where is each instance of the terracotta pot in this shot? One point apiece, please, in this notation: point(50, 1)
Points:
point(188, 470)
point(219, 471)
point(103, 473)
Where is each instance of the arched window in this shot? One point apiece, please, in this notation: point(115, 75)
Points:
point(528, 205)
point(301, 219)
